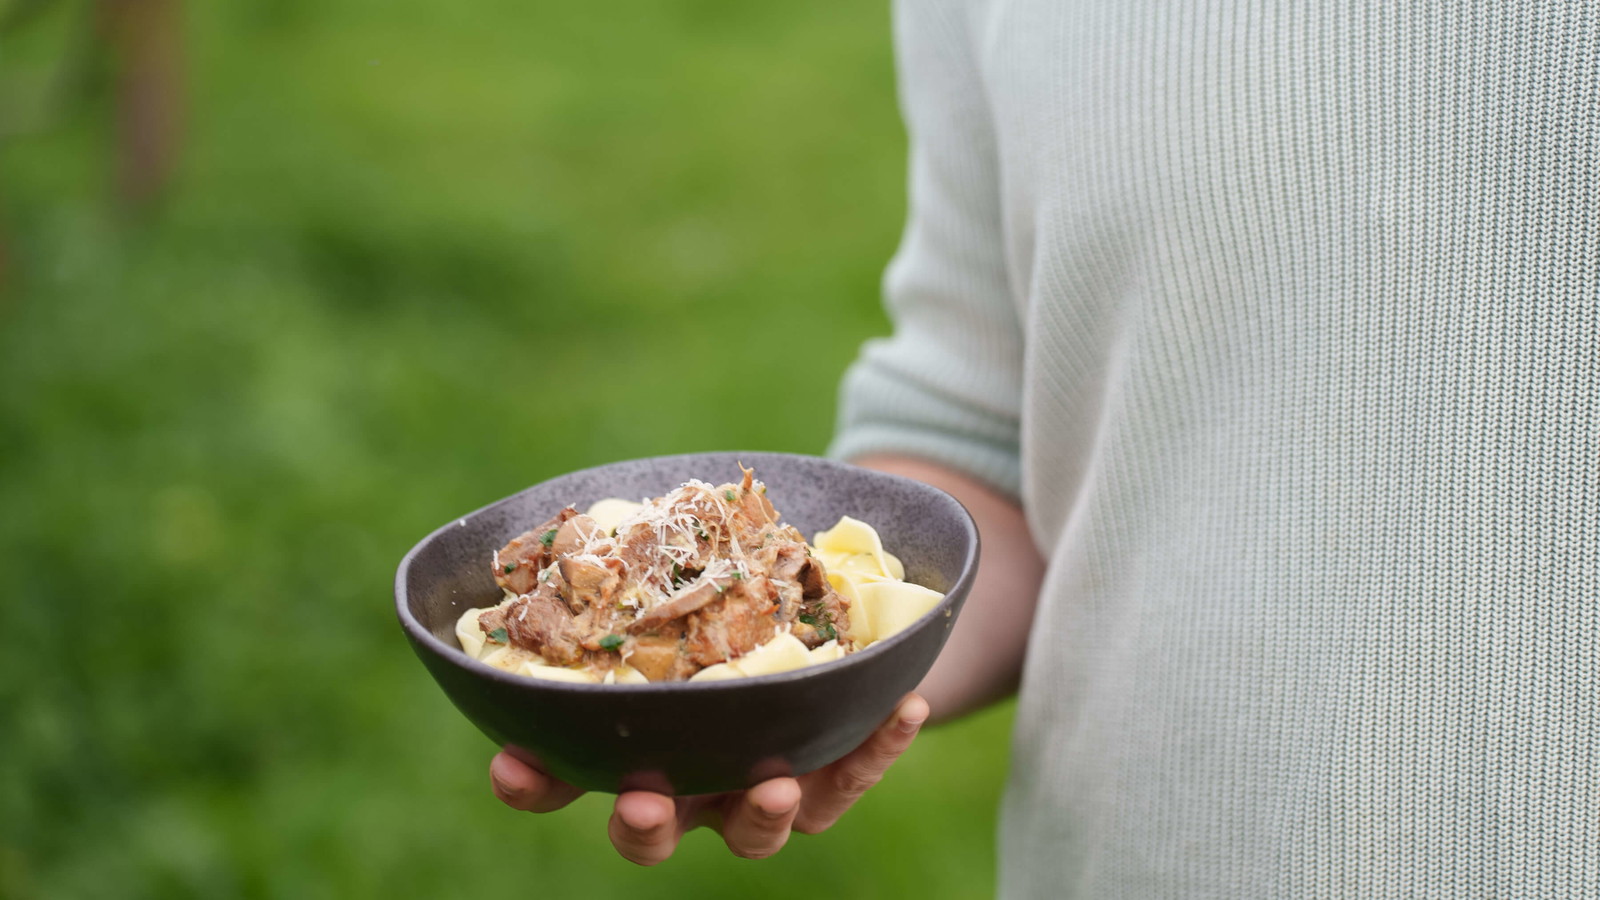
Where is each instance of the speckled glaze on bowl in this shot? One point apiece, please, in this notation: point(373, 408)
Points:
point(705, 737)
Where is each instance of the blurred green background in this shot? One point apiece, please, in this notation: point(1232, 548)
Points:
point(413, 257)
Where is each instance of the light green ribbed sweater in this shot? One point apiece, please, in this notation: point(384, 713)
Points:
point(1283, 321)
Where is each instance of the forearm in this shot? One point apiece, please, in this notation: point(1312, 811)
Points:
point(982, 661)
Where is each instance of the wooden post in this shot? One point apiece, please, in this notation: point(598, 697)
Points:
point(146, 42)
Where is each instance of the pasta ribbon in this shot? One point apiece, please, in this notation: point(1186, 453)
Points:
point(470, 633)
point(892, 606)
point(555, 673)
point(781, 654)
point(611, 512)
point(853, 546)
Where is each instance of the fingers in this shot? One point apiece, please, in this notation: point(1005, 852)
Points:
point(644, 827)
point(756, 823)
point(521, 786)
point(832, 790)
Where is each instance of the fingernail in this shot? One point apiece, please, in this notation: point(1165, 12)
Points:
point(765, 813)
point(910, 725)
point(634, 825)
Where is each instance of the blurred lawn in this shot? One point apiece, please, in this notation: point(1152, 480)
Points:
point(420, 255)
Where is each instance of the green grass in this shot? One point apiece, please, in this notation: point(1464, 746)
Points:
point(419, 256)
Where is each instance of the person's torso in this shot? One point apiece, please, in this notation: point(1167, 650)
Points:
point(1311, 437)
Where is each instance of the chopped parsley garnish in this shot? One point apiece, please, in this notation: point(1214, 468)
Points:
point(738, 576)
point(548, 538)
point(498, 636)
point(702, 535)
point(677, 575)
point(823, 625)
point(729, 495)
point(510, 567)
point(611, 642)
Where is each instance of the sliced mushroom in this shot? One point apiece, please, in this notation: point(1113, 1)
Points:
point(588, 585)
point(573, 534)
point(678, 605)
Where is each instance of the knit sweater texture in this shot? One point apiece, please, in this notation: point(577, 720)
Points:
point(1282, 322)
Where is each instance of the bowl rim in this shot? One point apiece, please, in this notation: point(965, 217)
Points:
point(423, 637)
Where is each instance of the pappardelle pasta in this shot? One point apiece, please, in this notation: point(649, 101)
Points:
point(701, 584)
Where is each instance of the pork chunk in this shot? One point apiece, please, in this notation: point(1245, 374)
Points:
point(518, 563)
point(540, 622)
point(736, 623)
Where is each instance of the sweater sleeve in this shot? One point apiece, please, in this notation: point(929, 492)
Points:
point(946, 385)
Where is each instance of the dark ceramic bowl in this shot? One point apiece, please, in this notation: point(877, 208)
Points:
point(702, 737)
